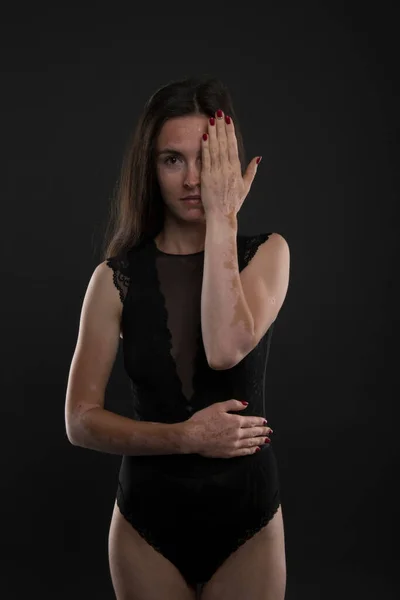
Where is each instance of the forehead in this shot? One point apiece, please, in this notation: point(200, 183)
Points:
point(177, 130)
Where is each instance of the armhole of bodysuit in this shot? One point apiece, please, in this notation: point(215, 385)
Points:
point(121, 279)
point(251, 245)
point(121, 276)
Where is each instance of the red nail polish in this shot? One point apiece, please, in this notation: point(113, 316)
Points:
point(258, 160)
point(212, 121)
point(219, 113)
point(205, 136)
point(227, 120)
point(267, 440)
point(258, 449)
point(244, 402)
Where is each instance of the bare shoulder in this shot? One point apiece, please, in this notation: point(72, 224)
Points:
point(270, 258)
point(103, 281)
point(277, 240)
point(275, 247)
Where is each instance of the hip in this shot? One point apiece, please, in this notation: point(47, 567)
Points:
point(196, 483)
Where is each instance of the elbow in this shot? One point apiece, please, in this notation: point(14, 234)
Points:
point(228, 360)
point(215, 367)
point(73, 429)
point(72, 434)
point(221, 364)
point(76, 425)
point(217, 364)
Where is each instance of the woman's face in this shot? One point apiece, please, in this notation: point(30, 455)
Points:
point(178, 162)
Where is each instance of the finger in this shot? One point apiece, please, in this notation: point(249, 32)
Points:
point(252, 421)
point(205, 154)
point(222, 137)
point(233, 152)
point(255, 432)
point(213, 144)
point(250, 442)
point(250, 174)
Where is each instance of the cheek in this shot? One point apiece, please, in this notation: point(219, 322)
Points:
point(169, 177)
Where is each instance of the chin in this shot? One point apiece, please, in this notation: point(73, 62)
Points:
point(195, 213)
point(191, 209)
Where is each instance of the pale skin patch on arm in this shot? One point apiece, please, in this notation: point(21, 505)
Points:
point(240, 322)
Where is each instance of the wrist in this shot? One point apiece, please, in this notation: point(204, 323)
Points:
point(186, 438)
point(221, 223)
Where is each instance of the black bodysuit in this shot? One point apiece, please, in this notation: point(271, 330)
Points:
point(194, 510)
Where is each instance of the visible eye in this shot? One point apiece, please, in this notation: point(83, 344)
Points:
point(170, 158)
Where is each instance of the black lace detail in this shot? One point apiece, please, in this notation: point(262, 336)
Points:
point(249, 533)
point(251, 245)
point(121, 277)
point(144, 532)
point(147, 532)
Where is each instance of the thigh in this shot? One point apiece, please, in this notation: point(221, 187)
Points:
point(138, 571)
point(256, 570)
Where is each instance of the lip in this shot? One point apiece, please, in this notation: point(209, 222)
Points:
point(195, 203)
point(198, 198)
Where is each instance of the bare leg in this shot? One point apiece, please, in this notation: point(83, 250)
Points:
point(138, 571)
point(256, 570)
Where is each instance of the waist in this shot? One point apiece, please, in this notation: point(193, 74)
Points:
point(194, 466)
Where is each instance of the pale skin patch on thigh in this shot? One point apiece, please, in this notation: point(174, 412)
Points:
point(256, 570)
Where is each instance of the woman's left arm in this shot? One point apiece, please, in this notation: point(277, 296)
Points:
point(237, 309)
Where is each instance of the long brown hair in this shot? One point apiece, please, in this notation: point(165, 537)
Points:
point(137, 208)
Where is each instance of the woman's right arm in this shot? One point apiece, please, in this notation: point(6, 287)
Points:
point(88, 423)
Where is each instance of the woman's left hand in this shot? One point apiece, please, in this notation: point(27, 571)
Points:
point(223, 189)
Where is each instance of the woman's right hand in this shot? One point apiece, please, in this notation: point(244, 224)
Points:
point(213, 433)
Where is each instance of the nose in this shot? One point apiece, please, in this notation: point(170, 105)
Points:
point(192, 176)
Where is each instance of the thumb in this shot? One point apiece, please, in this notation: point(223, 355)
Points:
point(234, 404)
point(251, 172)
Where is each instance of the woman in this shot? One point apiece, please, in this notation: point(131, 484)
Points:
point(197, 511)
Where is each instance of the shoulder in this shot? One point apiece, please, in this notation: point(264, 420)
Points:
point(101, 293)
point(261, 243)
point(115, 272)
point(275, 250)
point(262, 238)
point(275, 240)
point(118, 263)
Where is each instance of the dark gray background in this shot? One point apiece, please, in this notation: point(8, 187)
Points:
point(315, 92)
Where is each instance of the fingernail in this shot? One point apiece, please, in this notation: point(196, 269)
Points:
point(258, 449)
point(227, 120)
point(219, 114)
point(243, 402)
point(265, 421)
point(267, 440)
point(258, 160)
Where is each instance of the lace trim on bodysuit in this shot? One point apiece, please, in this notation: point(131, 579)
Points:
point(121, 277)
point(147, 535)
point(144, 532)
point(120, 264)
point(249, 533)
point(251, 245)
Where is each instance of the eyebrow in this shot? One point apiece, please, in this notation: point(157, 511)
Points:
point(172, 151)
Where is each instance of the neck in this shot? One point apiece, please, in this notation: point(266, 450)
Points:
point(187, 239)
